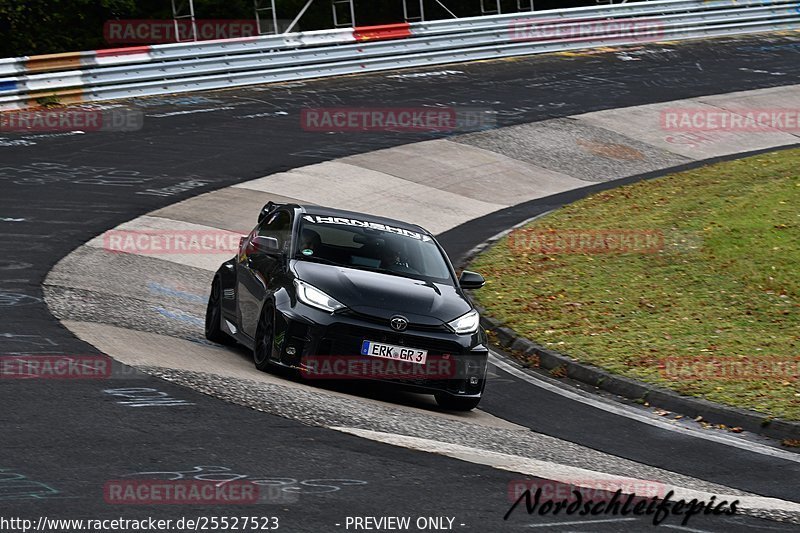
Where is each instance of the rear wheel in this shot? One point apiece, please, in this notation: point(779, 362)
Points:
point(214, 331)
point(265, 335)
point(453, 403)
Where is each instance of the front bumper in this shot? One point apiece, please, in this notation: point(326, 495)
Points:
point(311, 340)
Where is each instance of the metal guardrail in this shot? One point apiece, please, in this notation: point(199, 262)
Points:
point(182, 67)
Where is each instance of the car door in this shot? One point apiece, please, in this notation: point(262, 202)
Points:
point(255, 273)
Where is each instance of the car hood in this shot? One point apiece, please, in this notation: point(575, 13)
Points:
point(384, 296)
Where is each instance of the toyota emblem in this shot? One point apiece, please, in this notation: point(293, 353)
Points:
point(399, 323)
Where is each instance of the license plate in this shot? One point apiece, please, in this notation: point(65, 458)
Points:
point(397, 353)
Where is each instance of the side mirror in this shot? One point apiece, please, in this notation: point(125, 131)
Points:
point(263, 246)
point(471, 280)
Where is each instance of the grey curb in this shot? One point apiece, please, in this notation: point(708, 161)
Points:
point(751, 421)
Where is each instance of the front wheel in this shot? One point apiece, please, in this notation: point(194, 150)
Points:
point(213, 328)
point(265, 335)
point(453, 403)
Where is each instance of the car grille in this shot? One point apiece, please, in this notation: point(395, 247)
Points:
point(346, 340)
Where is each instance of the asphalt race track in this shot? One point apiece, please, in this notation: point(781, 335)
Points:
point(62, 441)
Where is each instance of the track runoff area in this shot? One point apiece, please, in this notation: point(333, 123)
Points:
point(287, 456)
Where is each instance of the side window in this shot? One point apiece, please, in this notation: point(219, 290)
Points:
point(279, 226)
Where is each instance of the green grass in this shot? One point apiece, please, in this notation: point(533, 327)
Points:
point(726, 283)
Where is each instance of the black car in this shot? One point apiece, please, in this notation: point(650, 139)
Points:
point(343, 295)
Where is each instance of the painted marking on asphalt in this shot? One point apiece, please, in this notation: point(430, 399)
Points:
point(425, 74)
point(54, 135)
point(157, 288)
point(572, 475)
point(221, 475)
point(35, 340)
point(44, 172)
point(684, 528)
point(263, 115)
point(757, 71)
point(584, 522)
point(628, 412)
point(15, 142)
point(179, 101)
point(145, 397)
point(190, 112)
point(15, 486)
point(8, 299)
point(179, 315)
point(178, 188)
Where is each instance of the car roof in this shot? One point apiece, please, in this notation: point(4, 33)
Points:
point(330, 212)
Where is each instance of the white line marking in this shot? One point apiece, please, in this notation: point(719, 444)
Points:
point(756, 71)
point(53, 135)
point(570, 475)
point(189, 112)
point(425, 74)
point(628, 412)
point(583, 522)
point(262, 115)
point(684, 528)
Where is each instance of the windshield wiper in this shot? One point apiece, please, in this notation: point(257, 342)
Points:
point(432, 285)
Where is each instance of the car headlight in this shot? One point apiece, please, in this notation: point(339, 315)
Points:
point(310, 295)
point(466, 323)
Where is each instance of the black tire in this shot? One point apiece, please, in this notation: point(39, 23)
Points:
point(453, 403)
point(214, 331)
point(265, 337)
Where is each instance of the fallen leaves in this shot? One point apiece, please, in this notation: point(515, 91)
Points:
point(628, 315)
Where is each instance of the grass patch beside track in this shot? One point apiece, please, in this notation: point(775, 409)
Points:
point(711, 312)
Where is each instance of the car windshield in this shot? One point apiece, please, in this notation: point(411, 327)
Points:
point(371, 246)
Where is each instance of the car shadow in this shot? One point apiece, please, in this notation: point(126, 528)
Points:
point(372, 390)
